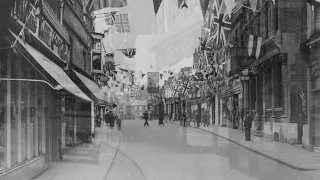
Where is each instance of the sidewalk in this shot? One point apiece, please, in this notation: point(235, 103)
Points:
point(289, 155)
point(86, 161)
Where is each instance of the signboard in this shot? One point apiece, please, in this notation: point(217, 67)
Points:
point(40, 28)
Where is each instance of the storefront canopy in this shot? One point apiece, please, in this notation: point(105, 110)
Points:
point(92, 86)
point(54, 71)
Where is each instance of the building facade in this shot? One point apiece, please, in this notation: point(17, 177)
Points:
point(271, 84)
point(310, 53)
point(48, 93)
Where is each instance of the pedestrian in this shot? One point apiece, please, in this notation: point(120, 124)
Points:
point(198, 118)
point(161, 119)
point(145, 116)
point(112, 119)
point(184, 118)
point(247, 126)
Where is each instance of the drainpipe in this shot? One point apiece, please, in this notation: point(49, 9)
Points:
point(309, 109)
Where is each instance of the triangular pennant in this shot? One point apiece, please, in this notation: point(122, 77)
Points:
point(130, 53)
point(156, 4)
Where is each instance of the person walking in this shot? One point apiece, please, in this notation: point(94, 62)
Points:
point(247, 126)
point(184, 118)
point(161, 119)
point(145, 116)
point(198, 118)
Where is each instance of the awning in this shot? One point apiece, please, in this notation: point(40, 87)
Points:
point(92, 86)
point(54, 70)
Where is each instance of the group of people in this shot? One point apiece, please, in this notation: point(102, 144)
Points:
point(146, 117)
point(110, 118)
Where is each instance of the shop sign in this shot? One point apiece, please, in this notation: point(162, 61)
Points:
point(52, 40)
point(41, 29)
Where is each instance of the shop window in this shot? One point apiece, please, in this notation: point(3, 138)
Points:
point(3, 109)
point(278, 85)
point(33, 112)
point(24, 109)
point(40, 114)
point(96, 61)
point(14, 109)
point(96, 44)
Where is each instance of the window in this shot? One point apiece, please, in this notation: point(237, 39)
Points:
point(278, 85)
point(96, 61)
point(96, 44)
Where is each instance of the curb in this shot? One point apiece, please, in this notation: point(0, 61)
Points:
point(258, 152)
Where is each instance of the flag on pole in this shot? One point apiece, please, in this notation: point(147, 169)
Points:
point(204, 6)
point(254, 45)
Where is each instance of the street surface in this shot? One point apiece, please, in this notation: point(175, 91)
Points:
point(174, 152)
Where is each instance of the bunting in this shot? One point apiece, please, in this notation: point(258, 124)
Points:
point(156, 4)
point(130, 53)
point(254, 46)
point(204, 6)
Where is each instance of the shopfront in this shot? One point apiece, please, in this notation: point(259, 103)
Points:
point(230, 104)
point(36, 96)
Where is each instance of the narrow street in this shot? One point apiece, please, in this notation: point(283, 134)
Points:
point(173, 152)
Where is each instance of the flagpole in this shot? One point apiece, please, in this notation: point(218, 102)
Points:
point(247, 7)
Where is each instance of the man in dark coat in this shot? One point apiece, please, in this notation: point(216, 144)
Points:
point(198, 119)
point(145, 116)
point(247, 126)
point(161, 119)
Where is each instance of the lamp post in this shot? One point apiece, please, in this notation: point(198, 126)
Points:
point(244, 79)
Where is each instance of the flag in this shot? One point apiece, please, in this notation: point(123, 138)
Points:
point(204, 6)
point(130, 53)
point(186, 87)
point(156, 4)
point(254, 45)
point(179, 3)
point(220, 23)
point(176, 91)
point(121, 23)
point(134, 19)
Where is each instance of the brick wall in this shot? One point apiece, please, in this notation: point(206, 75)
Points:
point(80, 35)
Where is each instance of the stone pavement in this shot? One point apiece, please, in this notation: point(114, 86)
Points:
point(289, 155)
point(86, 161)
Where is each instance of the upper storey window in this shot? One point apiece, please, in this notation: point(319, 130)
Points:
point(96, 44)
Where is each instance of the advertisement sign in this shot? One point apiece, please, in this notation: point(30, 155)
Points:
point(41, 29)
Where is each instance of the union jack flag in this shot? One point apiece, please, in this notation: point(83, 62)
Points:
point(220, 23)
point(122, 23)
point(130, 53)
point(186, 87)
point(176, 91)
